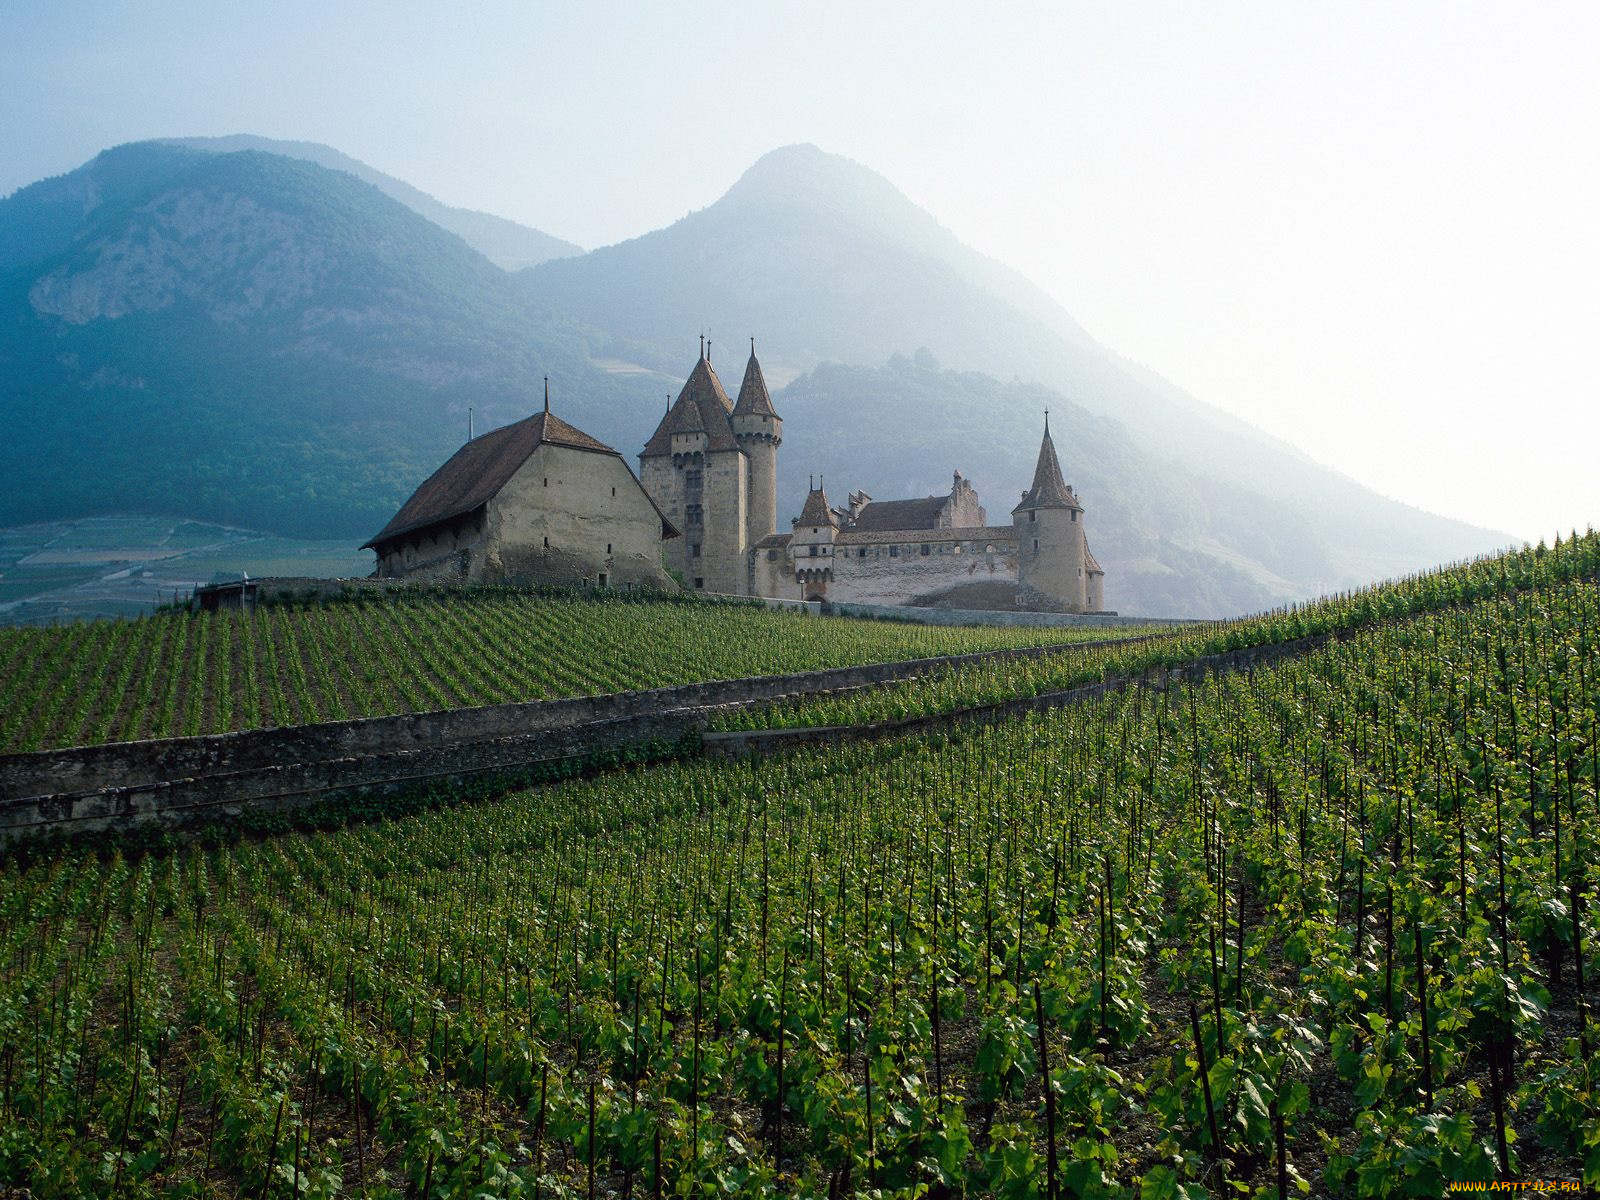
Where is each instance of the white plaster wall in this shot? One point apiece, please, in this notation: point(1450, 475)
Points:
point(774, 575)
point(883, 578)
point(591, 510)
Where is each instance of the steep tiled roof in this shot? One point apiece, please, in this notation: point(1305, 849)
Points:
point(1049, 489)
point(1089, 564)
point(753, 397)
point(816, 510)
point(481, 468)
point(702, 406)
point(901, 514)
point(774, 541)
point(1004, 537)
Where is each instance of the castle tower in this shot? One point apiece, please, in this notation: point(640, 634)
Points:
point(1052, 553)
point(698, 476)
point(759, 432)
point(812, 545)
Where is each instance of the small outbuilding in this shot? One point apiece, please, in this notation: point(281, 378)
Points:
point(537, 501)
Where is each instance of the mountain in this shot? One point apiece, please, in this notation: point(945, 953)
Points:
point(504, 243)
point(250, 338)
point(263, 340)
point(829, 262)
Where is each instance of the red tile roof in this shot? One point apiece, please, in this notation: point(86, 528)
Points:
point(816, 510)
point(753, 397)
point(900, 514)
point(477, 471)
point(1049, 489)
point(701, 407)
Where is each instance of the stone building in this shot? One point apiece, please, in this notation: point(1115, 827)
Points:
point(712, 466)
point(537, 501)
point(939, 551)
point(542, 502)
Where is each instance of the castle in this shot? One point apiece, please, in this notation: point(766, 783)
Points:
point(711, 466)
point(540, 501)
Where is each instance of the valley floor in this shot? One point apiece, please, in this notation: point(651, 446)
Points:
point(130, 565)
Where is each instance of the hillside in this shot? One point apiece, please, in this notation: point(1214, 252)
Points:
point(826, 261)
point(266, 341)
point(249, 339)
point(507, 244)
point(1203, 930)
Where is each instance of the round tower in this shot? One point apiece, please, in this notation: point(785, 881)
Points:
point(1051, 550)
point(759, 431)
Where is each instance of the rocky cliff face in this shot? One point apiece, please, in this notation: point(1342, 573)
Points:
point(225, 252)
point(249, 338)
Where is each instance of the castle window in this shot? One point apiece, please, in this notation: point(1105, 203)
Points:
point(1036, 545)
point(547, 543)
point(699, 583)
point(608, 547)
point(813, 551)
point(547, 482)
point(772, 556)
point(693, 478)
point(694, 514)
point(894, 551)
point(861, 553)
point(694, 550)
point(1032, 516)
point(926, 549)
point(1074, 516)
point(604, 579)
point(613, 491)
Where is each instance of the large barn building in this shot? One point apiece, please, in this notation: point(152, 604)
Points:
point(537, 501)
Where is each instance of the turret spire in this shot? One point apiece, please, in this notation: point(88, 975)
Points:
point(547, 395)
point(1049, 489)
point(754, 399)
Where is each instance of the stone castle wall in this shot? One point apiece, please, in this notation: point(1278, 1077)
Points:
point(914, 568)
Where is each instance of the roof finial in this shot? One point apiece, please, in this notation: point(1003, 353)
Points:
point(811, 483)
point(702, 343)
point(752, 345)
point(1047, 422)
point(547, 395)
point(708, 351)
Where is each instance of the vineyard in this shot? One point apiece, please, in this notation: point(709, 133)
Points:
point(1325, 927)
point(179, 674)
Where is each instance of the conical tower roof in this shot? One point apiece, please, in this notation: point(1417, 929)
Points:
point(701, 407)
point(1049, 489)
point(753, 397)
point(817, 510)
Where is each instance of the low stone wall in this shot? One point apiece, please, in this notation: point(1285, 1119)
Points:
point(183, 782)
point(743, 743)
point(973, 616)
point(124, 784)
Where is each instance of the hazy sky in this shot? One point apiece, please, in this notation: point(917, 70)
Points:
point(1371, 229)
